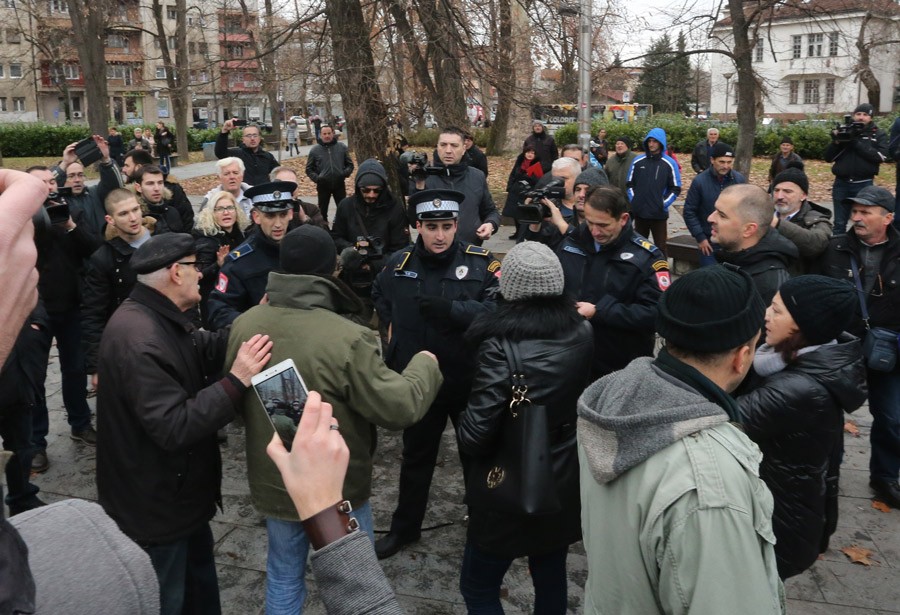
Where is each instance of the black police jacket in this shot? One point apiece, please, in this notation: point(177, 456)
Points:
point(465, 274)
point(624, 280)
point(242, 281)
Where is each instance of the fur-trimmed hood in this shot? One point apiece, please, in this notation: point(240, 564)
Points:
point(538, 318)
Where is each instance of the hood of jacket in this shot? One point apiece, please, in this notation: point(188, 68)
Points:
point(385, 199)
point(839, 368)
point(772, 245)
point(630, 415)
point(309, 292)
point(660, 135)
point(815, 208)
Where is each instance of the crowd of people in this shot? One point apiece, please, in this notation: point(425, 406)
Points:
point(716, 456)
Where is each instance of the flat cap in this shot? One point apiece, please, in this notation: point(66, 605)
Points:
point(160, 251)
point(272, 197)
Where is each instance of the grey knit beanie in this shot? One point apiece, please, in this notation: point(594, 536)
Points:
point(531, 269)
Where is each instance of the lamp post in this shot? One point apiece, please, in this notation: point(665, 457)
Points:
point(728, 77)
point(583, 10)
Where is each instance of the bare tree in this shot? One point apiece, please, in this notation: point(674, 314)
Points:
point(90, 20)
point(865, 45)
point(177, 68)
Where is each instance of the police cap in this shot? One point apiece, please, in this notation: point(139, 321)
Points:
point(272, 197)
point(436, 204)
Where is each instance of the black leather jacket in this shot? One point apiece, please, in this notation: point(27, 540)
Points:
point(796, 417)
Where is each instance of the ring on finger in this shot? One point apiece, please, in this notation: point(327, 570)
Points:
point(334, 427)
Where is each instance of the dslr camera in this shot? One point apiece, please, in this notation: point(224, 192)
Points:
point(535, 211)
point(847, 131)
point(54, 211)
point(370, 248)
point(420, 167)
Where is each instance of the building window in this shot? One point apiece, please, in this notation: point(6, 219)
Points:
point(13, 37)
point(192, 47)
point(171, 12)
point(203, 48)
point(9, 4)
point(793, 92)
point(120, 72)
point(15, 71)
point(833, 43)
point(814, 45)
point(829, 91)
point(116, 41)
point(59, 6)
point(235, 51)
point(758, 50)
point(1, 71)
point(3, 103)
point(172, 42)
point(18, 104)
point(70, 72)
point(162, 107)
point(160, 72)
point(811, 92)
point(797, 45)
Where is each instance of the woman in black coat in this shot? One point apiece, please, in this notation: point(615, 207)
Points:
point(165, 142)
point(811, 373)
point(218, 229)
point(555, 346)
point(528, 169)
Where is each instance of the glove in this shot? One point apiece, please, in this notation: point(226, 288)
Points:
point(435, 307)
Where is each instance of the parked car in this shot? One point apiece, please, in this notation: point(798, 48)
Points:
point(201, 125)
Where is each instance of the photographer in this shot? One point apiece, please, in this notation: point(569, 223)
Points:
point(555, 195)
point(478, 216)
point(857, 149)
point(70, 173)
point(369, 226)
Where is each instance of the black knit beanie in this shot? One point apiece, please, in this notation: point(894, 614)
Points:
point(308, 249)
point(795, 176)
point(711, 310)
point(822, 307)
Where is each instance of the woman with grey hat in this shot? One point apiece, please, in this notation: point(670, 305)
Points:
point(811, 373)
point(535, 321)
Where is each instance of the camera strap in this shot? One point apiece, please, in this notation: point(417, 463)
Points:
point(359, 219)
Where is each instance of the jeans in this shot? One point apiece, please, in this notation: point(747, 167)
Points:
point(482, 574)
point(709, 260)
point(186, 570)
point(884, 404)
point(841, 190)
point(66, 328)
point(286, 561)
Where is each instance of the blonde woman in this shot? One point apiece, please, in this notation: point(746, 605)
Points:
point(218, 228)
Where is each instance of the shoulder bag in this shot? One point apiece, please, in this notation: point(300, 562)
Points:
point(880, 345)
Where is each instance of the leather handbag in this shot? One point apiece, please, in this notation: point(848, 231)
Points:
point(517, 477)
point(880, 346)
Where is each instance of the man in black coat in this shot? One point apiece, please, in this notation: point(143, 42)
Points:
point(134, 160)
point(476, 157)
point(156, 200)
point(258, 162)
point(328, 165)
point(742, 227)
point(159, 407)
point(70, 173)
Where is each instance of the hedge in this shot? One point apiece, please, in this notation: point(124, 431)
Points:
point(810, 140)
point(39, 139)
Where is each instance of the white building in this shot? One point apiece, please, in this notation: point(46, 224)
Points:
point(805, 57)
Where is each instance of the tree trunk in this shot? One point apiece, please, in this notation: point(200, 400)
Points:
point(89, 21)
point(357, 78)
point(506, 79)
point(747, 87)
point(176, 69)
point(864, 70)
point(520, 113)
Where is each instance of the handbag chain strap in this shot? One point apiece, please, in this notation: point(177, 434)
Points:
point(517, 376)
point(859, 291)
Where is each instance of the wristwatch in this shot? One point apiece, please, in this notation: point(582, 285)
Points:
point(328, 525)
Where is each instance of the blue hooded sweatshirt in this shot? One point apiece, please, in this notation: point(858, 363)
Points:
point(654, 181)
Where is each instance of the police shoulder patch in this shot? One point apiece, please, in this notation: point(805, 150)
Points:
point(494, 266)
point(242, 250)
point(660, 265)
point(222, 283)
point(477, 250)
point(403, 260)
point(638, 240)
point(574, 250)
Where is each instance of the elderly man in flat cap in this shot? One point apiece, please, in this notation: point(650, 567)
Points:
point(158, 464)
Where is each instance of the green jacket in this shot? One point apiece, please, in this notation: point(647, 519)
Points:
point(617, 168)
point(307, 318)
point(674, 515)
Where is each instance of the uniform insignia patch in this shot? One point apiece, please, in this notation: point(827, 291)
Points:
point(406, 274)
point(626, 255)
point(276, 195)
point(494, 267)
point(660, 265)
point(437, 203)
point(477, 250)
point(461, 272)
point(242, 250)
point(222, 284)
point(574, 250)
point(663, 280)
point(402, 263)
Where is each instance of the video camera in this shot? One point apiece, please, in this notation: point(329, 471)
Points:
point(847, 131)
point(54, 211)
point(535, 211)
point(370, 248)
point(419, 161)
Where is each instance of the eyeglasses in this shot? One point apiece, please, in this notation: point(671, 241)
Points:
point(370, 190)
point(194, 264)
point(227, 209)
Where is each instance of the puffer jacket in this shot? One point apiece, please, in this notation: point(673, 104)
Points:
point(769, 262)
point(796, 417)
point(654, 181)
point(555, 346)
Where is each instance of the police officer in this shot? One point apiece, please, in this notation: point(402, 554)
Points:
point(242, 280)
point(428, 294)
point(616, 277)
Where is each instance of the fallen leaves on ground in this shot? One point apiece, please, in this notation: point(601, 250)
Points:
point(879, 505)
point(859, 555)
point(851, 428)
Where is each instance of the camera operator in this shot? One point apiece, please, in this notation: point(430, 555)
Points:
point(369, 226)
point(70, 173)
point(557, 207)
point(63, 243)
point(857, 149)
point(478, 215)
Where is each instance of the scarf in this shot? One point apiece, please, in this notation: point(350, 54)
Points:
point(703, 385)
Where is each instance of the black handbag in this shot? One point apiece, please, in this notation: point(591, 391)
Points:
point(517, 477)
point(880, 346)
